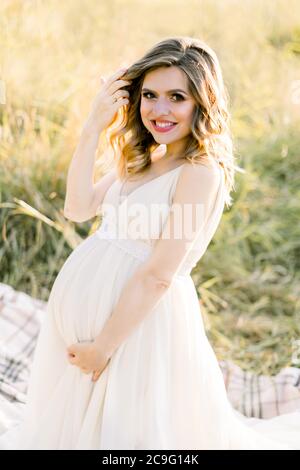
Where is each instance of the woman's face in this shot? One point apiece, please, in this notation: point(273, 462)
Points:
point(165, 98)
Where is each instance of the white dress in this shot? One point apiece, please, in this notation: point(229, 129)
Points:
point(163, 387)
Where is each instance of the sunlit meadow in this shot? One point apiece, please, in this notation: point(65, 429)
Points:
point(52, 54)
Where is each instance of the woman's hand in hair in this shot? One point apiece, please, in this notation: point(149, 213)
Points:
point(108, 100)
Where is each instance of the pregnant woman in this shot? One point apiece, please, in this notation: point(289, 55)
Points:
point(122, 360)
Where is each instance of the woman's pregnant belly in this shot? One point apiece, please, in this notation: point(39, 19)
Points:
point(88, 286)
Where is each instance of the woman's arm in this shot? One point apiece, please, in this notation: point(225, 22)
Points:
point(80, 186)
point(140, 295)
point(197, 186)
point(81, 191)
point(82, 196)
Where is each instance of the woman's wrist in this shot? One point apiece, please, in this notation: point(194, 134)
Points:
point(91, 126)
point(105, 346)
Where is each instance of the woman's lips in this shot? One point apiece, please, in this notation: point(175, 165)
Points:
point(163, 129)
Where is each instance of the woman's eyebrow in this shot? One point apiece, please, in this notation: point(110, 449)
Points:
point(170, 91)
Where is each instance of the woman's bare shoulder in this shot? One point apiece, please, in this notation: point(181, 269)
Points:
point(198, 178)
point(197, 169)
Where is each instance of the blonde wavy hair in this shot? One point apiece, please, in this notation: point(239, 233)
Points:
point(133, 144)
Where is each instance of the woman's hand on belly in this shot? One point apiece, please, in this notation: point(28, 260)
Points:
point(89, 357)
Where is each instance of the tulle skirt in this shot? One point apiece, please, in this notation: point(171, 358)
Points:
point(163, 387)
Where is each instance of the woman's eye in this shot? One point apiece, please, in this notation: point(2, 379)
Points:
point(146, 94)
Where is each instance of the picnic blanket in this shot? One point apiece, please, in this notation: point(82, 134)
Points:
point(258, 396)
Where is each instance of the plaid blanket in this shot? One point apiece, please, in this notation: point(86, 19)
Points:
point(20, 318)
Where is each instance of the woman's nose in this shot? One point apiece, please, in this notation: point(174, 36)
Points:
point(161, 107)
